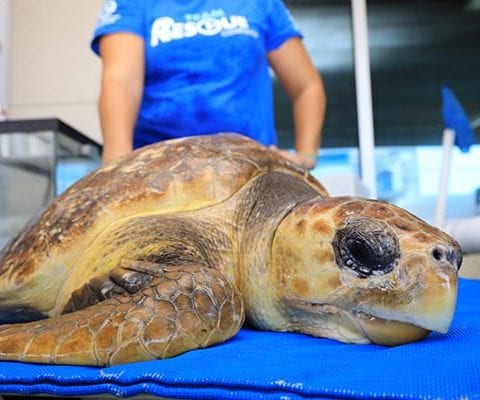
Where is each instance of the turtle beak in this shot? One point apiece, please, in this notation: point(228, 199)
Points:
point(426, 303)
point(389, 333)
point(432, 311)
point(434, 307)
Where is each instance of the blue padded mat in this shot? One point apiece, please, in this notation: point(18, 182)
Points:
point(264, 365)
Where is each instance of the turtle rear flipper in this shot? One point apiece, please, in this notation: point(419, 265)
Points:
point(180, 308)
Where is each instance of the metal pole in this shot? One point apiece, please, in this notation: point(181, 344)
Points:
point(364, 95)
point(441, 209)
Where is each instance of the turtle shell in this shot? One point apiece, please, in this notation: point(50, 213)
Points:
point(168, 177)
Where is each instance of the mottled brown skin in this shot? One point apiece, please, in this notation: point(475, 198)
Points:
point(169, 248)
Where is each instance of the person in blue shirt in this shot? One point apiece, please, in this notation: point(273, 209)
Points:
point(175, 68)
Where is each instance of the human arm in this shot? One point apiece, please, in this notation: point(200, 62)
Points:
point(297, 74)
point(123, 66)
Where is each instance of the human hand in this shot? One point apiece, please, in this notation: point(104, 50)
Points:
point(115, 149)
point(302, 159)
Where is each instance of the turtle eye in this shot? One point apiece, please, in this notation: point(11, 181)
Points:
point(367, 247)
point(360, 251)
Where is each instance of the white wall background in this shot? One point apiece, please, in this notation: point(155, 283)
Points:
point(4, 50)
point(52, 71)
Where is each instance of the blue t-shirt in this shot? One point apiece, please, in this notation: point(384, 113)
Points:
point(206, 64)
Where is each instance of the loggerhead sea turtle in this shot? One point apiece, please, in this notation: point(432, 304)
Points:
point(166, 250)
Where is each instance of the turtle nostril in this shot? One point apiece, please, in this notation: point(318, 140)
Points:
point(447, 254)
point(438, 253)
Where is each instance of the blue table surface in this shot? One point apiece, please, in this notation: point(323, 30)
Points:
point(266, 365)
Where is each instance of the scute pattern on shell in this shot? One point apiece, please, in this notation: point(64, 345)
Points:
point(217, 168)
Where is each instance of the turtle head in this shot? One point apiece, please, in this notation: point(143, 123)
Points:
point(362, 271)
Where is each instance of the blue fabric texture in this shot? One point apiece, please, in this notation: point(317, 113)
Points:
point(265, 365)
point(455, 118)
point(206, 64)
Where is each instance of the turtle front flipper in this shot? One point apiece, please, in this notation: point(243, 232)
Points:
point(154, 312)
